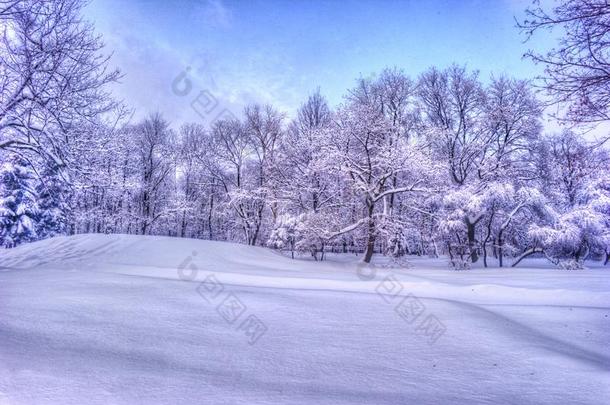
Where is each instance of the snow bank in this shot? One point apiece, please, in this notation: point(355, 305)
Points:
point(127, 319)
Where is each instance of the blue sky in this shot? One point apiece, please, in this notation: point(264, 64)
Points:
point(278, 52)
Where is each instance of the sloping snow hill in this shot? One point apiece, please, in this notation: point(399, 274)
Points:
point(115, 319)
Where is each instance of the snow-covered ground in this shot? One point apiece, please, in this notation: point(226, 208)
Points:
point(114, 319)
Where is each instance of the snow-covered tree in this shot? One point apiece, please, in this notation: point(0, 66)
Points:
point(154, 141)
point(53, 76)
point(444, 165)
point(567, 164)
point(580, 231)
point(577, 68)
point(452, 104)
point(18, 202)
point(372, 149)
point(286, 232)
point(302, 165)
point(484, 136)
point(53, 203)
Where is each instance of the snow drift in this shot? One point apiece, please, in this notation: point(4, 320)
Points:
point(131, 319)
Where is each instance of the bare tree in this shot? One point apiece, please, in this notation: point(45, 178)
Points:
point(452, 104)
point(373, 152)
point(299, 171)
point(577, 70)
point(263, 126)
point(153, 140)
point(192, 141)
point(568, 164)
point(239, 170)
point(52, 75)
point(512, 126)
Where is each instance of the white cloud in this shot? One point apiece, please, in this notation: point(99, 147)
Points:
point(216, 13)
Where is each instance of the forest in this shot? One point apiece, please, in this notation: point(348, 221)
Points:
point(442, 163)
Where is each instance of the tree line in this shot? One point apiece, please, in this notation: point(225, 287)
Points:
point(444, 163)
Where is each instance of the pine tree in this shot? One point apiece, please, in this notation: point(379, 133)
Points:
point(18, 208)
point(53, 204)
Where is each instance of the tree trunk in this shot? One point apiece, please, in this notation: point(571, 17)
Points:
point(183, 225)
point(487, 237)
point(470, 230)
point(500, 245)
point(526, 254)
point(210, 230)
point(500, 253)
point(370, 243)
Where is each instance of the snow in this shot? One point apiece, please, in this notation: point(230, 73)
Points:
point(106, 319)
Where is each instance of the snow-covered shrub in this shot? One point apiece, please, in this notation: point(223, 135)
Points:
point(314, 235)
point(286, 232)
point(570, 265)
point(460, 262)
point(572, 236)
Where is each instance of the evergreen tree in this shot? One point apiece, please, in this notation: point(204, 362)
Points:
point(53, 204)
point(18, 208)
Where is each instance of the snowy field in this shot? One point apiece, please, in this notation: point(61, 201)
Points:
point(101, 319)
